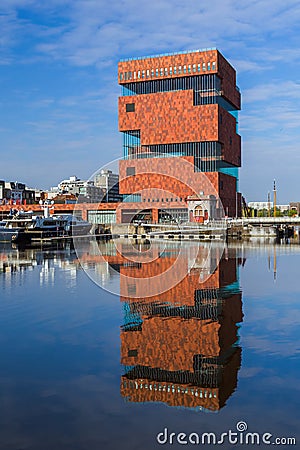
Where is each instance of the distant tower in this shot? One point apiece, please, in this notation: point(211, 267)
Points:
point(274, 193)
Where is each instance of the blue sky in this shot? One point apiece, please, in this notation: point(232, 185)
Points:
point(58, 78)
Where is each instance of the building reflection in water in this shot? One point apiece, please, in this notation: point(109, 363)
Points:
point(181, 347)
point(47, 261)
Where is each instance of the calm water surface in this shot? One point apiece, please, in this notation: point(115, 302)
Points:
point(85, 369)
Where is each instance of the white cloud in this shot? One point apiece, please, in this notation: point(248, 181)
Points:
point(260, 38)
point(96, 31)
point(287, 89)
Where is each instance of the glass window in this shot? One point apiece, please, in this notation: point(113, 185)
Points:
point(147, 74)
point(214, 65)
point(121, 76)
point(175, 70)
point(102, 217)
point(130, 107)
point(143, 74)
point(208, 66)
point(139, 74)
point(130, 171)
point(179, 69)
point(203, 67)
point(189, 68)
point(161, 71)
point(199, 67)
point(184, 69)
point(166, 71)
point(152, 72)
point(170, 70)
point(134, 75)
point(156, 72)
point(194, 67)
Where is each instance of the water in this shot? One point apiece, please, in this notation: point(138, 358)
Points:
point(82, 368)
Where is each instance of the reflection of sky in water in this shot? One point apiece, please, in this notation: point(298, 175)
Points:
point(277, 302)
point(60, 359)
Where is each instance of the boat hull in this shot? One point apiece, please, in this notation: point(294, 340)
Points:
point(9, 235)
point(80, 230)
point(20, 235)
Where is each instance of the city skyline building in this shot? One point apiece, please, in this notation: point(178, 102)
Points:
point(15, 193)
point(109, 182)
point(178, 108)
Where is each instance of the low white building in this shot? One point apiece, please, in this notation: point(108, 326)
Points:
point(265, 205)
point(85, 191)
point(260, 205)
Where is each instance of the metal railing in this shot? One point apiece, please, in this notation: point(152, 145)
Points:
point(264, 221)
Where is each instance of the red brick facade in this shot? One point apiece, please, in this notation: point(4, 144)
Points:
point(222, 68)
point(171, 117)
point(80, 208)
point(174, 177)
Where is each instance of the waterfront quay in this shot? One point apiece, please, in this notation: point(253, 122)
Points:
point(245, 228)
point(226, 228)
point(83, 210)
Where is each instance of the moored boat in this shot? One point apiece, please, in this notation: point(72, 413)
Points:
point(11, 228)
point(26, 227)
point(74, 226)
